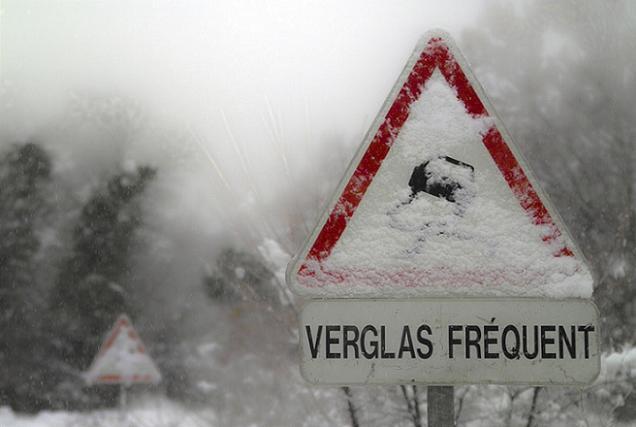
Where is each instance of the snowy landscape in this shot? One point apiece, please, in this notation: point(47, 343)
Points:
point(166, 160)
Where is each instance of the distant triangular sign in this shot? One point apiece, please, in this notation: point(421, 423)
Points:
point(122, 358)
point(437, 201)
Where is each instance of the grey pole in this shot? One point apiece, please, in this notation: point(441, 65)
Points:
point(123, 401)
point(440, 403)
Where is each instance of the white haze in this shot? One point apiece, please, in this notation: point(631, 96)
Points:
point(249, 79)
point(250, 109)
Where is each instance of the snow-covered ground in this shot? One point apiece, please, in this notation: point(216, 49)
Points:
point(149, 413)
point(483, 406)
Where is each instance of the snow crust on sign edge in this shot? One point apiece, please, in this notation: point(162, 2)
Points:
point(574, 280)
point(124, 359)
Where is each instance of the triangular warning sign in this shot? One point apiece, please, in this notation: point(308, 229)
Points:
point(122, 358)
point(437, 201)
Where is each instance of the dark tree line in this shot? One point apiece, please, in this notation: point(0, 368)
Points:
point(52, 327)
point(53, 318)
point(25, 171)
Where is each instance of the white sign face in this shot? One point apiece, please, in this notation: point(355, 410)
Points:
point(438, 202)
point(122, 358)
point(443, 341)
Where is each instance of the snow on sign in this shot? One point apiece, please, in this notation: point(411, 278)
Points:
point(438, 202)
point(122, 358)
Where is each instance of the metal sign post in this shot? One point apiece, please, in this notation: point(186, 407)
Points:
point(123, 401)
point(440, 404)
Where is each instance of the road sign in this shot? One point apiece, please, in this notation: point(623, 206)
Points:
point(122, 358)
point(450, 341)
point(437, 202)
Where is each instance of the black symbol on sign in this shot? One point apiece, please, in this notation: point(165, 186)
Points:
point(441, 177)
point(445, 178)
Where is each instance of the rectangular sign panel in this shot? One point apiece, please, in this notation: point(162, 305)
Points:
point(443, 341)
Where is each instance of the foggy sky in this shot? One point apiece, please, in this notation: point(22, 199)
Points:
point(233, 100)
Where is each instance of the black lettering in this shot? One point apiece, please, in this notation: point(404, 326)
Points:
point(313, 345)
point(406, 343)
point(490, 340)
point(451, 340)
point(385, 354)
point(586, 339)
point(545, 341)
point(350, 342)
point(331, 340)
point(510, 353)
point(473, 342)
point(524, 334)
point(373, 343)
point(425, 342)
point(569, 343)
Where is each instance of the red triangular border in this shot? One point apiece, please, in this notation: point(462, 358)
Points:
point(435, 55)
point(121, 322)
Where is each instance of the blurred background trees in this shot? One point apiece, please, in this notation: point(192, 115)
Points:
point(92, 288)
point(52, 330)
